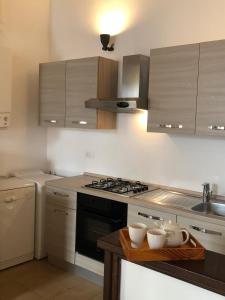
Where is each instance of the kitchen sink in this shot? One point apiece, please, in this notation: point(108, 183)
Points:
point(214, 208)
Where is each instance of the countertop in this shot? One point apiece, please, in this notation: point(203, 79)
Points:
point(178, 202)
point(12, 183)
point(208, 274)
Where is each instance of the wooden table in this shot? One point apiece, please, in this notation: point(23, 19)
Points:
point(208, 274)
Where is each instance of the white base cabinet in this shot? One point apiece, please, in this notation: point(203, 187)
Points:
point(17, 209)
point(210, 235)
point(138, 214)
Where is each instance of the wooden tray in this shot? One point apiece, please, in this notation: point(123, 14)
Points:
point(192, 250)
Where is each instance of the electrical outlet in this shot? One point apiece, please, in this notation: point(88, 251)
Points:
point(89, 155)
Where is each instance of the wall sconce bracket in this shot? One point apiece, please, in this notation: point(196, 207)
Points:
point(105, 39)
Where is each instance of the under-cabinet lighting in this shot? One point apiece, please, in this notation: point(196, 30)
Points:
point(142, 119)
point(82, 122)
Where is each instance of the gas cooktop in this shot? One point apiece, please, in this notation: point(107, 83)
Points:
point(120, 186)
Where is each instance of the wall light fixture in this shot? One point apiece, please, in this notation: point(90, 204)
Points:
point(105, 40)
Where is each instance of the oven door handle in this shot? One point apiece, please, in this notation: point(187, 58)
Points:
point(81, 211)
point(116, 221)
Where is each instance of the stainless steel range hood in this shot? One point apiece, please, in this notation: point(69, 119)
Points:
point(134, 87)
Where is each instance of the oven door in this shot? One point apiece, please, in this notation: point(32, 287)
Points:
point(90, 227)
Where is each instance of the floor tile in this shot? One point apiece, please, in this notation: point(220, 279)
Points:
point(38, 280)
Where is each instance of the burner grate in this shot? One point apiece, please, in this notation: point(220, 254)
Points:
point(118, 186)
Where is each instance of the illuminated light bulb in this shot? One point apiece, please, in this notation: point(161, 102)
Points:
point(142, 119)
point(112, 22)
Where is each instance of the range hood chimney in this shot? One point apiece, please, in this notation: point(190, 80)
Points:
point(134, 87)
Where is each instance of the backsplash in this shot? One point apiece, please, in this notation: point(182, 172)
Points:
point(184, 162)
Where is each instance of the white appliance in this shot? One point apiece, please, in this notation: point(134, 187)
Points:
point(39, 178)
point(17, 210)
point(5, 86)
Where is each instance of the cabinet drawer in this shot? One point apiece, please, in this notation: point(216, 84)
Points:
point(61, 232)
point(61, 197)
point(21, 193)
point(148, 216)
point(211, 236)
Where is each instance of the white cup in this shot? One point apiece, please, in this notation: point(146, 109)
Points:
point(137, 233)
point(156, 238)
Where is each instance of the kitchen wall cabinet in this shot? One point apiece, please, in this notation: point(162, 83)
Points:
point(173, 89)
point(211, 89)
point(138, 214)
point(61, 225)
point(65, 86)
point(87, 78)
point(52, 94)
point(211, 236)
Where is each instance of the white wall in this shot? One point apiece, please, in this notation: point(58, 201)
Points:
point(181, 161)
point(24, 29)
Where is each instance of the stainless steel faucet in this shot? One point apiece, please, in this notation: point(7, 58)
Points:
point(206, 193)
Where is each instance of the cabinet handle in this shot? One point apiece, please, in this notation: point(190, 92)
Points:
point(51, 121)
point(206, 231)
point(10, 200)
point(150, 217)
point(60, 194)
point(171, 126)
point(215, 127)
point(61, 211)
point(80, 122)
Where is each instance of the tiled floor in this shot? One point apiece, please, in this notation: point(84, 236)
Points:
point(37, 280)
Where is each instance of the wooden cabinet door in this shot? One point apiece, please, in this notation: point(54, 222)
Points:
point(211, 89)
point(173, 89)
point(81, 85)
point(61, 231)
point(211, 236)
point(138, 214)
point(52, 94)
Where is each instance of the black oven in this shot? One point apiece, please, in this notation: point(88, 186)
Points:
point(97, 217)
